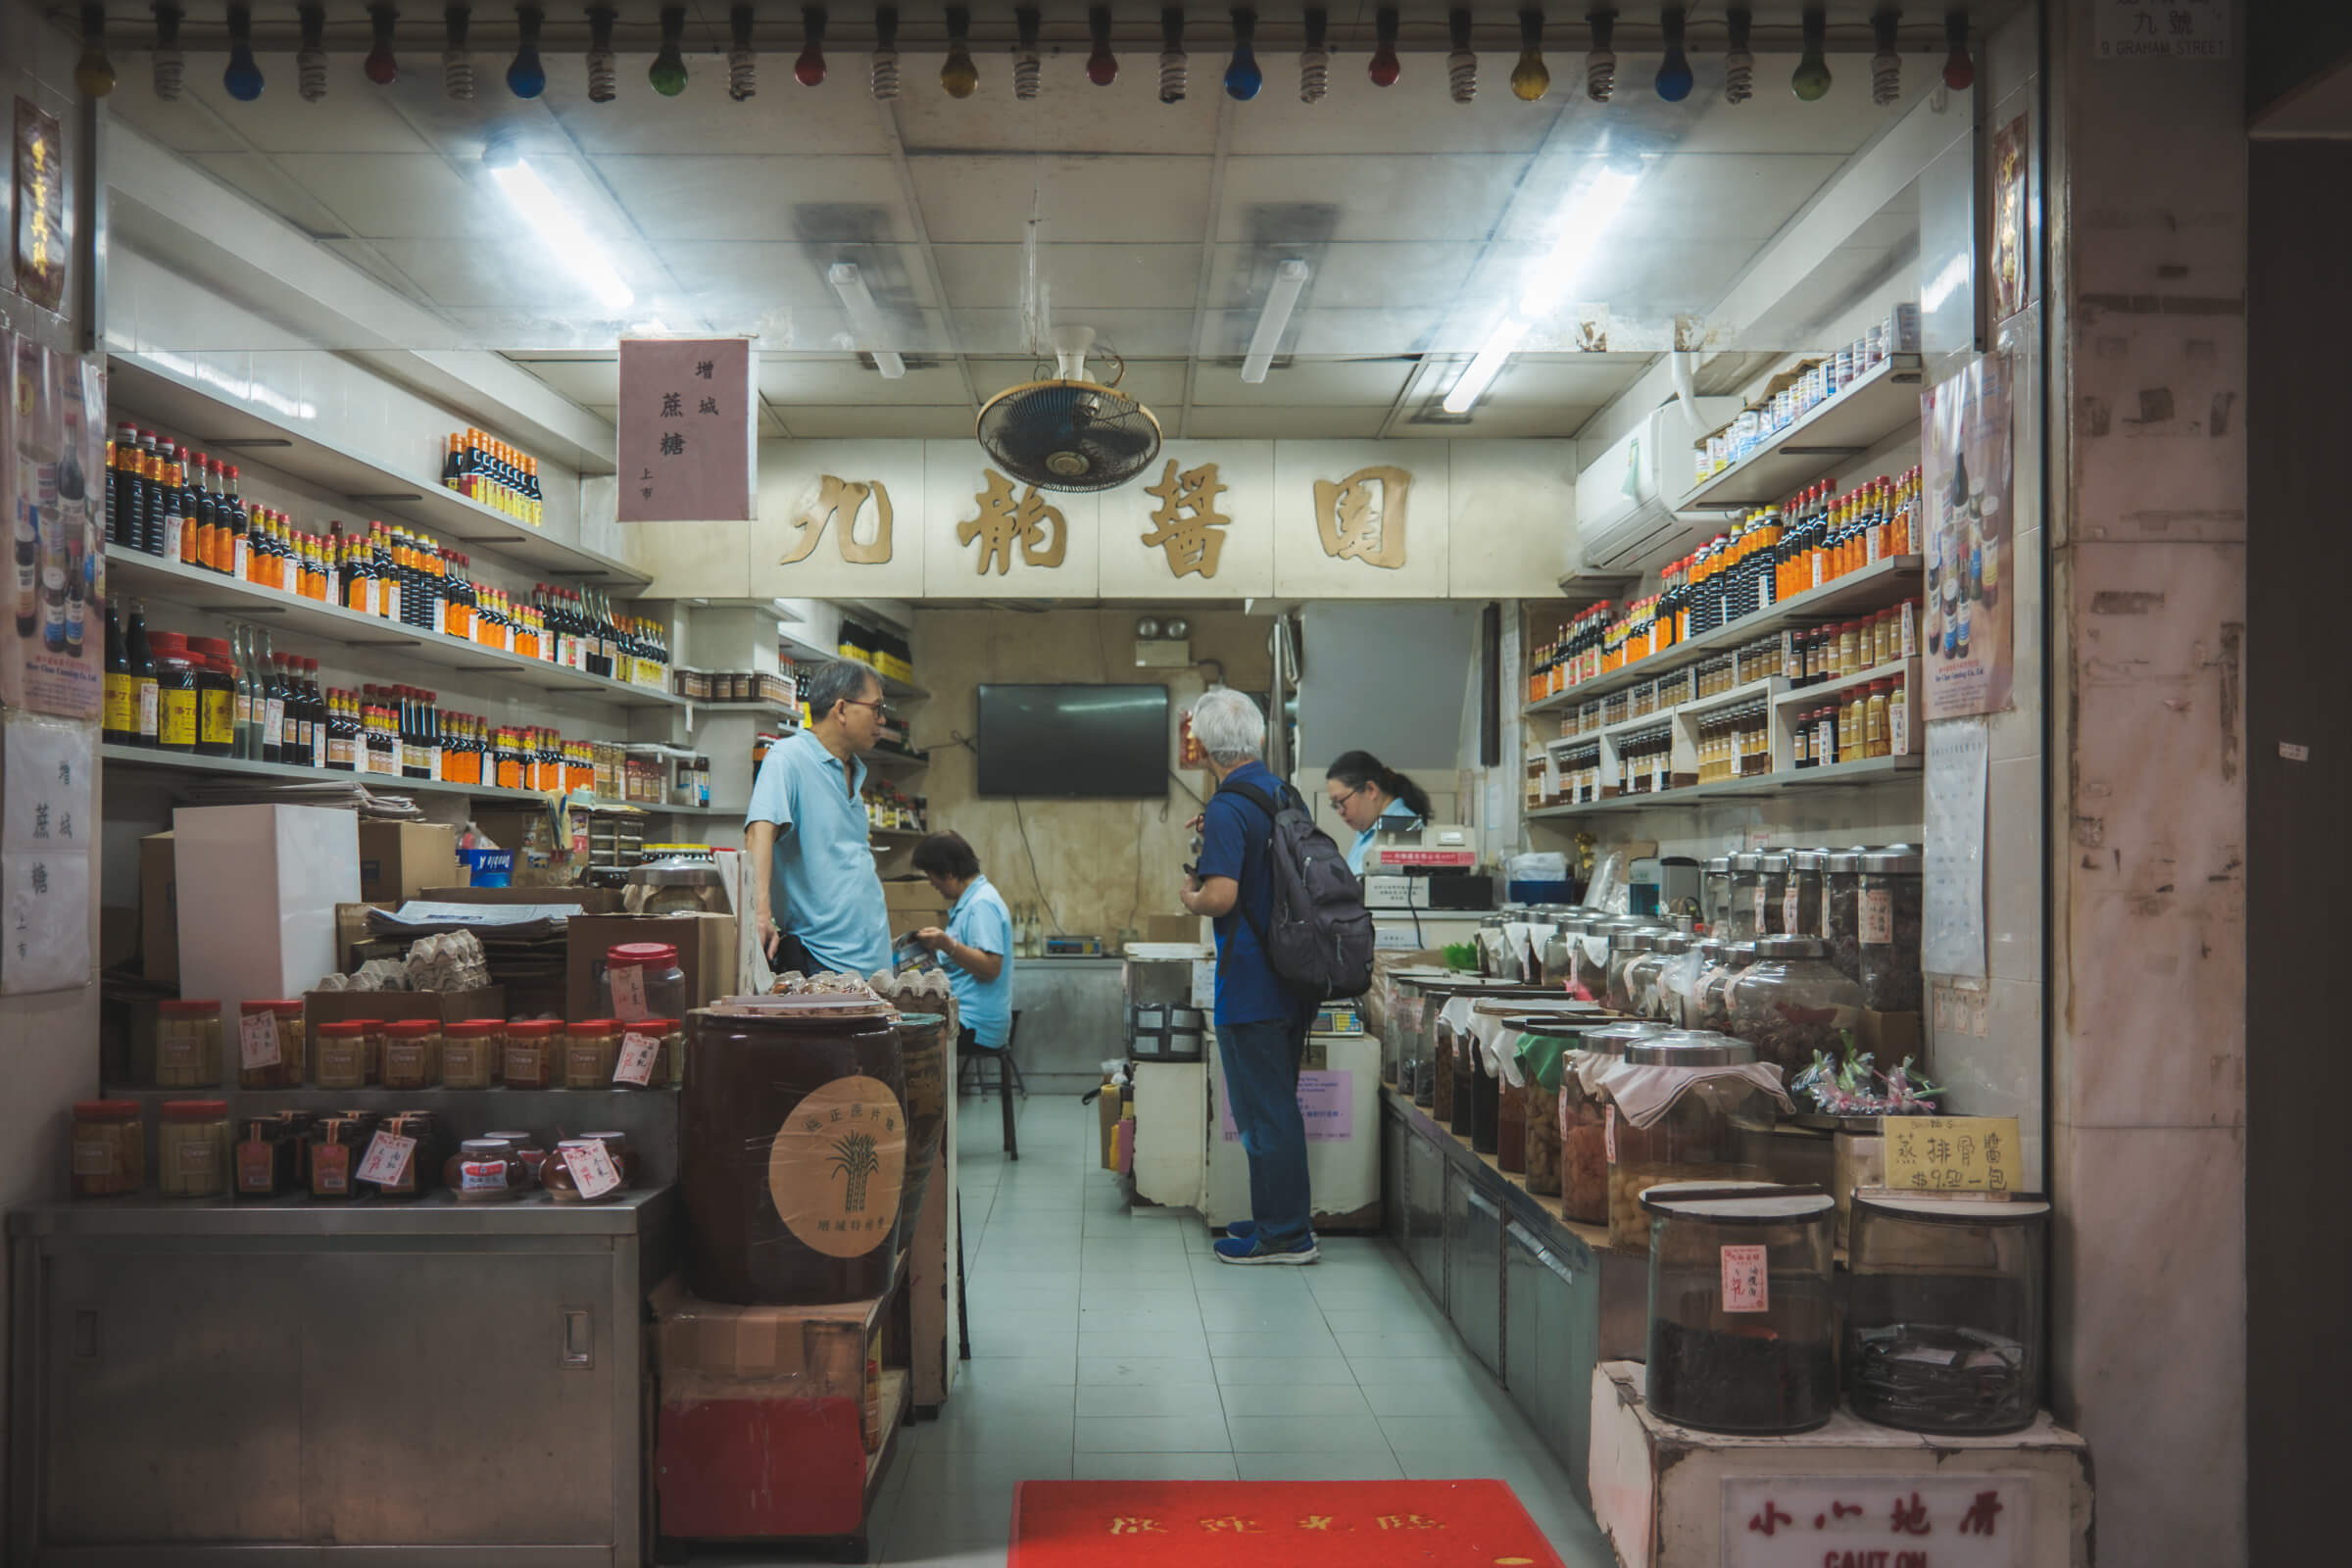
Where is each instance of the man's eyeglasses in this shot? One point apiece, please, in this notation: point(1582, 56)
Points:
point(880, 706)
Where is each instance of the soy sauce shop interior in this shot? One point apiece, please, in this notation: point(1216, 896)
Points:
point(1766, 570)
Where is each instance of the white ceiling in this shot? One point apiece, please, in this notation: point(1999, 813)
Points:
point(1161, 225)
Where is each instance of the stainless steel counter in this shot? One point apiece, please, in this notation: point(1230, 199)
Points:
point(1072, 1019)
point(427, 1382)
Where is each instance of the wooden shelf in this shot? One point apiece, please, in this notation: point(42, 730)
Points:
point(140, 387)
point(1770, 686)
point(1873, 408)
point(133, 573)
point(139, 757)
point(894, 764)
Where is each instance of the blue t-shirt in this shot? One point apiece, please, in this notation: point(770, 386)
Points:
point(981, 920)
point(1394, 818)
point(1235, 838)
point(823, 878)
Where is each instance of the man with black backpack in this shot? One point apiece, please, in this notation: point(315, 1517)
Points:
point(1292, 932)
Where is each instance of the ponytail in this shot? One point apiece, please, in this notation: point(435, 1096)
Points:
point(1414, 797)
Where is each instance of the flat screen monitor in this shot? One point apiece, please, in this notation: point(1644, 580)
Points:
point(1074, 742)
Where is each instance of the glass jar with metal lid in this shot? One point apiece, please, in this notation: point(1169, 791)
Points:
point(1698, 1136)
point(1589, 962)
point(1842, 908)
point(1944, 1325)
point(1644, 974)
point(1800, 903)
point(187, 1045)
point(1624, 948)
point(1791, 1004)
point(1746, 881)
point(1890, 910)
point(486, 1170)
point(1715, 893)
point(1743, 1325)
point(1585, 1119)
point(1712, 1005)
point(1772, 888)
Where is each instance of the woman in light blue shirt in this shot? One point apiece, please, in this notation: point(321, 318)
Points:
point(1370, 798)
point(976, 948)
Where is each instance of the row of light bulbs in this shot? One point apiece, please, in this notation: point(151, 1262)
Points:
point(960, 77)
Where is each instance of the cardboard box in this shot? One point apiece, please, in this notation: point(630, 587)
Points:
point(595, 901)
point(1173, 928)
point(351, 933)
point(916, 894)
point(447, 1007)
point(705, 945)
point(793, 1352)
point(158, 911)
point(400, 859)
point(263, 882)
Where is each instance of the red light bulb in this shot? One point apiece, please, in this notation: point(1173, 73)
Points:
point(809, 69)
point(1385, 68)
point(382, 69)
point(1959, 71)
point(1102, 67)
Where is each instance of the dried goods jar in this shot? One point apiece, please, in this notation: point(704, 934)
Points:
point(1702, 1133)
point(187, 1045)
point(1710, 1008)
point(470, 1052)
point(643, 980)
point(1791, 1004)
point(793, 1149)
point(342, 1055)
point(412, 1053)
point(1585, 1119)
point(1642, 976)
point(1742, 1324)
point(1772, 889)
point(1800, 904)
point(652, 1050)
point(1841, 910)
point(269, 1045)
point(1944, 1323)
point(924, 1053)
point(1624, 948)
point(1890, 920)
point(1715, 893)
point(534, 1046)
point(409, 1173)
point(591, 1051)
point(109, 1148)
point(337, 1143)
point(1747, 886)
point(573, 1174)
point(191, 1149)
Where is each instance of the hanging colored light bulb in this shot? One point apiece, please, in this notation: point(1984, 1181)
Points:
point(243, 77)
point(1461, 65)
point(1738, 64)
point(603, 67)
point(1385, 68)
point(1674, 79)
point(667, 73)
point(382, 65)
point(809, 69)
point(1314, 61)
point(1028, 58)
point(958, 75)
point(93, 73)
point(526, 76)
point(1243, 78)
point(1102, 66)
point(457, 61)
point(882, 67)
point(1810, 81)
point(1886, 63)
point(1175, 69)
point(1531, 78)
point(1600, 61)
point(743, 59)
point(1959, 71)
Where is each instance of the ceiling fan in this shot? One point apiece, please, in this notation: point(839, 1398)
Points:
point(1067, 432)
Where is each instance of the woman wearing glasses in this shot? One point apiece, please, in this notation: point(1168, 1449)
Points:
point(1370, 798)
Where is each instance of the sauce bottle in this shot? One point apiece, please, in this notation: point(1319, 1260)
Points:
point(216, 697)
point(139, 661)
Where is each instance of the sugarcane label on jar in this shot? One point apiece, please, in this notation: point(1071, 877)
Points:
point(838, 1166)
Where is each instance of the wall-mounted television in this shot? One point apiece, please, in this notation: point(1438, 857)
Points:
point(1073, 742)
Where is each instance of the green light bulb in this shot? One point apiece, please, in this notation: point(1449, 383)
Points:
point(667, 73)
point(1811, 80)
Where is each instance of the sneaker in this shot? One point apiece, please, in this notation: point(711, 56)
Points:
point(1251, 1250)
point(1241, 1229)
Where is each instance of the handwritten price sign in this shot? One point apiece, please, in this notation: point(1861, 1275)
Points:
point(1953, 1154)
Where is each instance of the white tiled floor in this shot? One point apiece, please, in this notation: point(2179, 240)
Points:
point(1107, 1345)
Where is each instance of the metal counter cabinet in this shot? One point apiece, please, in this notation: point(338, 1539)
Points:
point(418, 1382)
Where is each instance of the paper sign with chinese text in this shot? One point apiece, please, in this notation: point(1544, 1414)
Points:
point(1954, 1154)
point(257, 1041)
point(1326, 1100)
point(387, 1159)
point(1881, 1521)
point(1746, 1281)
point(42, 238)
point(688, 446)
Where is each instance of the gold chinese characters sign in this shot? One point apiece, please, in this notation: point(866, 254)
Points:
point(1038, 529)
point(1362, 517)
point(844, 501)
point(1187, 523)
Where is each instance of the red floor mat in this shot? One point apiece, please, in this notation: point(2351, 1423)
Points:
point(1257, 1524)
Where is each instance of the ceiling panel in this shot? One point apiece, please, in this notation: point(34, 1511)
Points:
point(794, 277)
point(263, 178)
point(812, 200)
point(590, 382)
point(408, 196)
point(1556, 380)
point(1283, 425)
point(1412, 116)
point(1155, 383)
point(837, 119)
point(790, 382)
point(1078, 277)
point(1331, 384)
point(1129, 200)
point(470, 274)
point(1142, 334)
point(862, 423)
point(364, 120)
point(1499, 423)
point(1454, 198)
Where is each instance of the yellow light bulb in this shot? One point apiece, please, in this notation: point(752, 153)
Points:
point(1531, 78)
point(960, 77)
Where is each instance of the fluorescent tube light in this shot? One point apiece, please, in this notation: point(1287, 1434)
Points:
point(1283, 298)
point(865, 321)
point(563, 233)
point(1550, 281)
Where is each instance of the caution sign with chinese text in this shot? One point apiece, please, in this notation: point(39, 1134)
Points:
point(1881, 1521)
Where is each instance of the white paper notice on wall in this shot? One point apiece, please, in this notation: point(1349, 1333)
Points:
point(46, 789)
point(1205, 983)
point(688, 421)
point(1970, 1521)
point(45, 903)
point(1952, 907)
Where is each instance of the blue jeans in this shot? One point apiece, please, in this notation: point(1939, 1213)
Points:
point(1261, 1080)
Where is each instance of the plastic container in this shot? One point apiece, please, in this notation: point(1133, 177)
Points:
point(488, 868)
point(191, 1149)
point(643, 980)
point(486, 1170)
point(470, 1052)
point(1890, 914)
point(187, 1045)
point(1791, 1004)
point(1742, 1325)
point(269, 1045)
point(533, 1047)
point(591, 1048)
point(664, 1068)
point(1703, 1135)
point(109, 1148)
point(1943, 1322)
point(412, 1053)
point(342, 1055)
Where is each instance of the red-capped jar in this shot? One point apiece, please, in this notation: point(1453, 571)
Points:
point(533, 1049)
point(269, 1045)
point(110, 1148)
point(412, 1053)
point(470, 1049)
point(643, 980)
point(341, 1056)
point(187, 1045)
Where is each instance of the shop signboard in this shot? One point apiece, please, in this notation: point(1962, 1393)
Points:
point(841, 519)
point(1361, 518)
point(1971, 540)
point(989, 535)
point(54, 444)
point(1196, 525)
point(688, 427)
point(41, 240)
point(2138, 30)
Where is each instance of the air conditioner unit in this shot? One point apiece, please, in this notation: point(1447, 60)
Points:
point(1625, 501)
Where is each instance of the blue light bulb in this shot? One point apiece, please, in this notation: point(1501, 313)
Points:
point(1243, 78)
point(526, 77)
point(1674, 79)
point(242, 78)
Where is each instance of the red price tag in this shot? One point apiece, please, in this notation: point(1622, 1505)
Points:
point(592, 1168)
point(257, 1041)
point(628, 991)
point(636, 1063)
point(388, 1156)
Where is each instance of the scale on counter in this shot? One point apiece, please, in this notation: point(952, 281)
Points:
point(1073, 947)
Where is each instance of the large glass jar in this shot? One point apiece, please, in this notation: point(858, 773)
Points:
point(1800, 904)
point(412, 1053)
point(1699, 1137)
point(1746, 887)
point(1791, 1003)
point(1772, 889)
point(1742, 1325)
point(470, 1052)
point(1944, 1330)
point(1841, 910)
point(191, 1149)
point(342, 1055)
point(1586, 1115)
point(486, 1170)
point(269, 1045)
point(643, 980)
point(1677, 981)
point(187, 1045)
point(1890, 918)
point(1715, 893)
point(533, 1047)
point(1625, 946)
point(1642, 976)
point(110, 1148)
point(1588, 961)
point(1711, 1002)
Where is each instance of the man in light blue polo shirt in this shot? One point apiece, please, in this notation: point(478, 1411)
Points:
point(814, 894)
point(976, 948)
